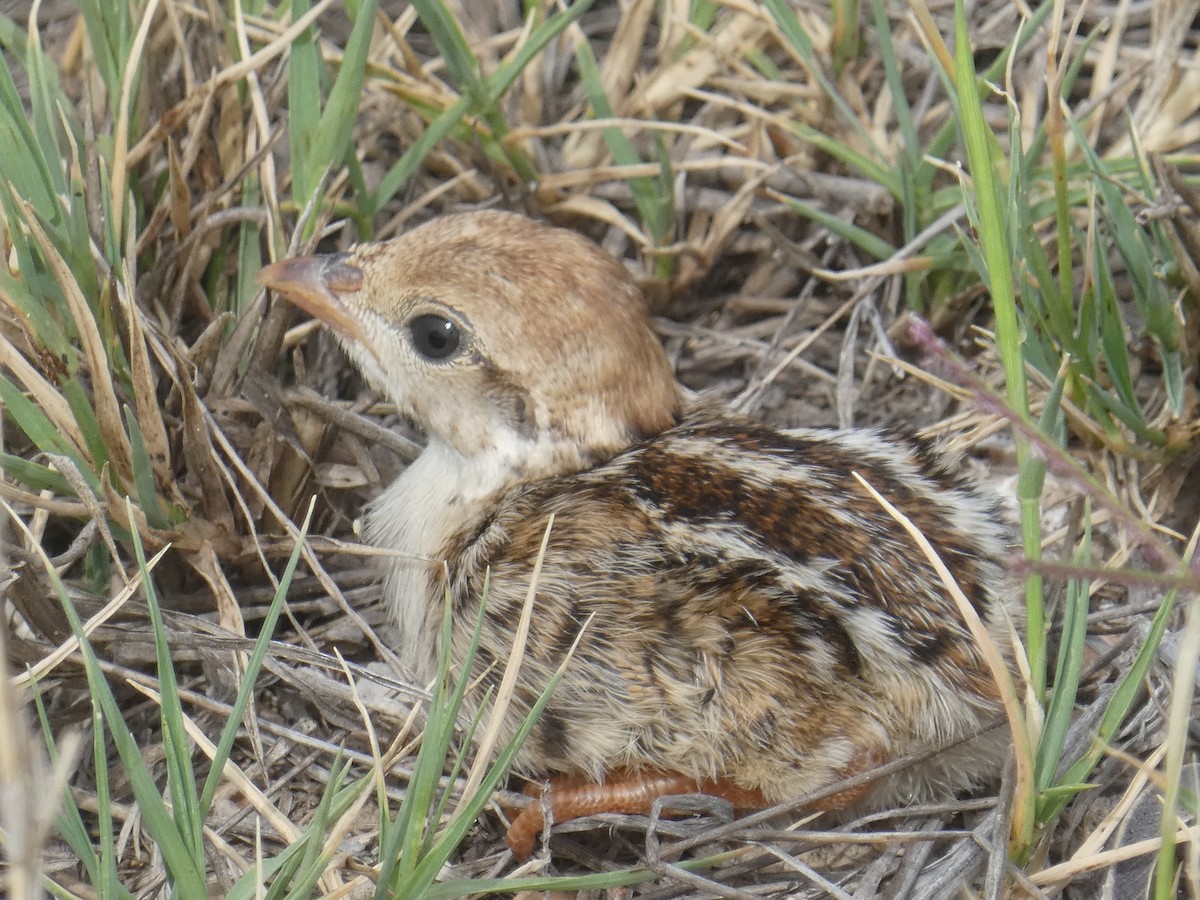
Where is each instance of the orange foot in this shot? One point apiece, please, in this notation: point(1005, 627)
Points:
point(634, 793)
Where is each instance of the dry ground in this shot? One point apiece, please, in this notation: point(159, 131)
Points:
point(757, 304)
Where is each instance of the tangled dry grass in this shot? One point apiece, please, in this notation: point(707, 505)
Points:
point(724, 173)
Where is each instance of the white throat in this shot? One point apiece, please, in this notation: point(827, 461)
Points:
point(439, 495)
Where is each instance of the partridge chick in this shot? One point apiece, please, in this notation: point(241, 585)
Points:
point(757, 625)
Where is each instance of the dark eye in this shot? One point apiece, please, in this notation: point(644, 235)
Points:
point(435, 337)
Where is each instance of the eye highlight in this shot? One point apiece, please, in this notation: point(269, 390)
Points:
point(435, 337)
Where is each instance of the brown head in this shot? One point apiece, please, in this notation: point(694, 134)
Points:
point(496, 332)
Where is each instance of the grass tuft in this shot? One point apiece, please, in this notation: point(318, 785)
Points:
point(789, 182)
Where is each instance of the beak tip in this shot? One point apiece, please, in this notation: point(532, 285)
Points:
point(268, 276)
point(314, 284)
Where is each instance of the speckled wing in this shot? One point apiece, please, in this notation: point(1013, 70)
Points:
point(750, 610)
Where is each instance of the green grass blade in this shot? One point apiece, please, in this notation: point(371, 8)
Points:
point(40, 430)
point(177, 749)
point(25, 165)
point(281, 868)
point(183, 867)
point(847, 37)
point(1104, 407)
point(461, 62)
point(653, 199)
point(46, 107)
point(76, 396)
point(851, 158)
point(499, 82)
point(997, 254)
point(335, 131)
point(34, 296)
point(107, 883)
point(993, 230)
point(70, 824)
point(253, 666)
point(304, 105)
point(109, 33)
point(789, 25)
point(404, 168)
point(864, 240)
point(1179, 746)
point(1119, 705)
point(34, 476)
point(315, 857)
point(913, 175)
point(1070, 662)
point(1111, 329)
point(1042, 294)
point(621, 878)
point(144, 485)
point(409, 835)
point(506, 73)
point(1053, 422)
point(1149, 291)
point(402, 841)
point(249, 251)
point(426, 873)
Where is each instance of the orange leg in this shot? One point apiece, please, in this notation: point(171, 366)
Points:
point(842, 799)
point(634, 793)
point(631, 793)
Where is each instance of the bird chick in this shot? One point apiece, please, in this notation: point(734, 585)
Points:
point(757, 625)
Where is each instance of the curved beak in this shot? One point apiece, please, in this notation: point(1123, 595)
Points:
point(313, 283)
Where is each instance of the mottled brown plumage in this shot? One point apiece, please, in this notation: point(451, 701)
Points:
point(754, 616)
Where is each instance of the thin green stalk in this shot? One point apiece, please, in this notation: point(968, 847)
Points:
point(254, 664)
point(177, 746)
point(846, 36)
point(494, 87)
point(183, 868)
point(997, 257)
point(1179, 721)
point(1061, 707)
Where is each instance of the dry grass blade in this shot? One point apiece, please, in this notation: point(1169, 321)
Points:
point(508, 683)
point(233, 774)
point(145, 393)
point(70, 646)
point(1014, 709)
point(104, 395)
point(785, 181)
point(44, 393)
point(120, 167)
point(29, 787)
